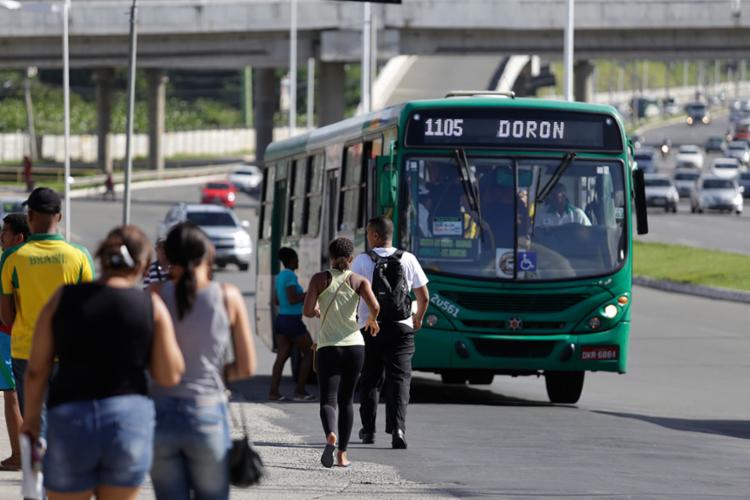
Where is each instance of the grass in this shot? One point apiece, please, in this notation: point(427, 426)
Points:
point(696, 266)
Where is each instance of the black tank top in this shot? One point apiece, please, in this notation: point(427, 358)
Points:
point(103, 338)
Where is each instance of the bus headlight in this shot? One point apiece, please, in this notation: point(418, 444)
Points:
point(606, 316)
point(689, 120)
point(610, 311)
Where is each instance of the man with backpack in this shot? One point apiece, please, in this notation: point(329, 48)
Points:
point(394, 274)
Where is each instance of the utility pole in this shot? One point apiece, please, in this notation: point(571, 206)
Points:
point(293, 68)
point(366, 65)
point(66, 114)
point(568, 52)
point(131, 109)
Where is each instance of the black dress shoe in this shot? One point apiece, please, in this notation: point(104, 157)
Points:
point(366, 437)
point(398, 440)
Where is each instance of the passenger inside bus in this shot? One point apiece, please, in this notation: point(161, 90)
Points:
point(559, 210)
point(499, 200)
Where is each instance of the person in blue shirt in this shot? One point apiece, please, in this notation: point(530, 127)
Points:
point(289, 329)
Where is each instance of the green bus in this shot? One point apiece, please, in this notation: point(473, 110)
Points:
point(521, 212)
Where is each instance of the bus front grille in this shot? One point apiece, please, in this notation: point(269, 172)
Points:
point(517, 303)
point(498, 324)
point(513, 348)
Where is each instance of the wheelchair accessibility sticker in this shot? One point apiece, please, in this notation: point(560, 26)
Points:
point(526, 261)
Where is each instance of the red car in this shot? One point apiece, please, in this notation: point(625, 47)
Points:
point(221, 193)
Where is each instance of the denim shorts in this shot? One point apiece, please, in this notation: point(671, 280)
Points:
point(290, 325)
point(99, 442)
point(191, 448)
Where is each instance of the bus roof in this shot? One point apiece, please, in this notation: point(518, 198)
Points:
point(353, 128)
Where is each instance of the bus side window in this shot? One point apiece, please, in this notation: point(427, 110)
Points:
point(351, 173)
point(266, 209)
point(297, 201)
point(316, 166)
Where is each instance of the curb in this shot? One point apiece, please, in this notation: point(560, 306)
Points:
point(706, 292)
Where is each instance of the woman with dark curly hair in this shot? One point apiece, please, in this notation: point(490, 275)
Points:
point(333, 296)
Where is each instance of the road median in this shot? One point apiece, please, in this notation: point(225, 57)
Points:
point(694, 271)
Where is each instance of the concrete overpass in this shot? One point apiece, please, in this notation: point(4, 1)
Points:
point(237, 33)
point(234, 33)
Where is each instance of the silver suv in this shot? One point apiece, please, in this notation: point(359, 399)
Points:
point(233, 244)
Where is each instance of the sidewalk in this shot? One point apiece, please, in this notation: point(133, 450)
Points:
point(292, 466)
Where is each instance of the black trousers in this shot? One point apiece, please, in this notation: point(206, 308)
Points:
point(387, 367)
point(338, 371)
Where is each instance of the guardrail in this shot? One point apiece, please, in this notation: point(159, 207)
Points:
point(83, 178)
point(155, 175)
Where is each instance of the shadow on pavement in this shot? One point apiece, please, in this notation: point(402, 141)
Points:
point(730, 428)
point(423, 391)
point(426, 391)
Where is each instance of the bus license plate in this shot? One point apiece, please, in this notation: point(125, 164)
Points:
point(600, 353)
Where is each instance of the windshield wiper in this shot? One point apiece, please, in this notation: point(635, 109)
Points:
point(469, 183)
point(543, 193)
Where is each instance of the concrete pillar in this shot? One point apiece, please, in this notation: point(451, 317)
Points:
point(266, 96)
point(103, 78)
point(583, 85)
point(331, 103)
point(157, 104)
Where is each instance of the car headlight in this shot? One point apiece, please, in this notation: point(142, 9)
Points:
point(241, 238)
point(230, 196)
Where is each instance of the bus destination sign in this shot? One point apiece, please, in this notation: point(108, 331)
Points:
point(513, 128)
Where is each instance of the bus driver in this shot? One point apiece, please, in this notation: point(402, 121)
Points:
point(561, 211)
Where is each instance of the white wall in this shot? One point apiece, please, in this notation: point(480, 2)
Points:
point(83, 147)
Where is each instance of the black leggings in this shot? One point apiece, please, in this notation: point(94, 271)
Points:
point(338, 371)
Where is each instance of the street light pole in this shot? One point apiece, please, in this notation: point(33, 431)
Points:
point(568, 53)
point(293, 68)
point(367, 59)
point(131, 106)
point(66, 113)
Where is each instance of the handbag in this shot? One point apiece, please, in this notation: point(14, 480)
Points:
point(245, 465)
point(322, 322)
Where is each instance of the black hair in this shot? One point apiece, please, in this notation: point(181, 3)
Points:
point(340, 251)
point(186, 246)
point(124, 248)
point(18, 223)
point(383, 227)
point(287, 255)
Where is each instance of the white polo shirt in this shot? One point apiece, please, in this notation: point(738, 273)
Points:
point(571, 214)
point(364, 266)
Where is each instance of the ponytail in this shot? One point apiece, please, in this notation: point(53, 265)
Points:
point(186, 246)
point(341, 251)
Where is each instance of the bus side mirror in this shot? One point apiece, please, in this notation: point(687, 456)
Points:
point(639, 190)
point(387, 181)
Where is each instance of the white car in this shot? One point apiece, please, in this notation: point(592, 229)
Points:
point(690, 154)
point(715, 193)
point(247, 178)
point(229, 236)
point(740, 151)
point(726, 168)
point(661, 192)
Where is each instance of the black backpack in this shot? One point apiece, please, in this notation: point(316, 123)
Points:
point(390, 287)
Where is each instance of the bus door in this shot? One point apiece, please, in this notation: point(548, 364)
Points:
point(330, 215)
point(278, 218)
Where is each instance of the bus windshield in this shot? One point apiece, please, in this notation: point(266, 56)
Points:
point(577, 231)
